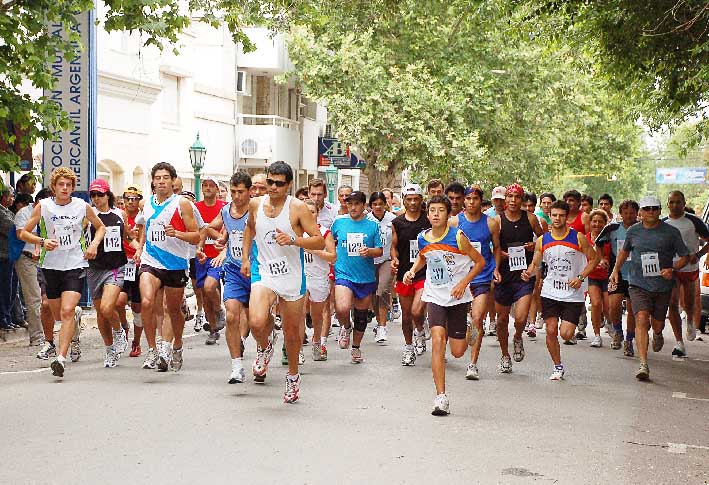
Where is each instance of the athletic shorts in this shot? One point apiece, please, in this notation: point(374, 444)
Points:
point(318, 288)
point(656, 304)
point(59, 281)
point(622, 288)
point(360, 290)
point(478, 289)
point(567, 311)
point(98, 278)
point(402, 289)
point(170, 278)
point(132, 289)
point(193, 269)
point(236, 286)
point(508, 293)
point(687, 276)
point(602, 284)
point(453, 318)
point(202, 270)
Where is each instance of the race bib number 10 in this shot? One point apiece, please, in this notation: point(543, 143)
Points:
point(236, 244)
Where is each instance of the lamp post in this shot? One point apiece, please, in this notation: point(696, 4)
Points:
point(198, 153)
point(331, 181)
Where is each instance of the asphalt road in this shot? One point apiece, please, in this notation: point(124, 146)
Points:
point(366, 423)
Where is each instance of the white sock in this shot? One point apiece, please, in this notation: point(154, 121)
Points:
point(323, 340)
point(61, 359)
point(409, 346)
point(138, 320)
point(237, 362)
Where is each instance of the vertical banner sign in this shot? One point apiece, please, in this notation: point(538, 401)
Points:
point(75, 92)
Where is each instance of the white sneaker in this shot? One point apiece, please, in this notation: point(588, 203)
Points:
point(110, 358)
point(238, 374)
point(441, 405)
point(408, 358)
point(301, 357)
point(426, 329)
point(558, 373)
point(492, 328)
point(597, 342)
point(120, 343)
point(472, 373)
point(48, 350)
point(689, 326)
point(151, 360)
point(419, 343)
point(539, 322)
point(382, 335)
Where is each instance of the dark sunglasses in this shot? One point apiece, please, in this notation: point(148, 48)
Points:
point(652, 208)
point(130, 199)
point(277, 183)
point(96, 194)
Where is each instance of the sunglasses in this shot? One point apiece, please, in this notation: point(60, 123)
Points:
point(130, 199)
point(652, 208)
point(278, 183)
point(96, 194)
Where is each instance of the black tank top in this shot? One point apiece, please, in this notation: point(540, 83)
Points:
point(515, 233)
point(407, 231)
point(112, 259)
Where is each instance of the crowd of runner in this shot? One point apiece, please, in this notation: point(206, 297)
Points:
point(452, 265)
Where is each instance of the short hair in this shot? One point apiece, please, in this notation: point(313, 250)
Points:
point(163, 166)
point(62, 172)
point(223, 184)
point(560, 204)
point(22, 199)
point(530, 197)
point(44, 193)
point(629, 203)
point(599, 212)
point(486, 202)
point(239, 178)
point(547, 195)
point(455, 187)
point(7, 190)
point(677, 192)
point(317, 183)
point(375, 196)
point(387, 189)
point(26, 178)
point(301, 191)
point(440, 199)
point(434, 183)
point(606, 197)
point(587, 198)
point(281, 168)
point(573, 193)
point(344, 186)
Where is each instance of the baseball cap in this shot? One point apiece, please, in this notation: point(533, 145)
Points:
point(514, 189)
point(649, 201)
point(356, 196)
point(210, 179)
point(498, 192)
point(99, 185)
point(133, 189)
point(411, 189)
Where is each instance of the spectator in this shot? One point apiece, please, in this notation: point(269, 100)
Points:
point(8, 281)
point(26, 185)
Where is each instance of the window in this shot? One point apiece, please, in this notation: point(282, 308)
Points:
point(170, 99)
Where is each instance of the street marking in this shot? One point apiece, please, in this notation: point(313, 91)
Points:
point(681, 448)
point(683, 395)
point(33, 371)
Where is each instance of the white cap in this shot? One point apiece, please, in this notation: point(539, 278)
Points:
point(649, 201)
point(411, 189)
point(211, 179)
point(498, 192)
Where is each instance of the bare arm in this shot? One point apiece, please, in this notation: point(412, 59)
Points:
point(310, 227)
point(592, 256)
point(494, 227)
point(191, 234)
point(528, 273)
point(249, 233)
point(99, 234)
point(393, 251)
point(328, 254)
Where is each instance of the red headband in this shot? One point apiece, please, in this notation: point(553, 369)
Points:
point(514, 189)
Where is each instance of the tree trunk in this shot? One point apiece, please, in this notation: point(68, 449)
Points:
point(383, 173)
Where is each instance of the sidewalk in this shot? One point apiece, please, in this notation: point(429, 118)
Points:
point(16, 337)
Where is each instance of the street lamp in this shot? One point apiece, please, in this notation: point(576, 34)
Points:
point(198, 153)
point(331, 180)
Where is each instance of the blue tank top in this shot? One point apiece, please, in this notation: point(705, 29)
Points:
point(481, 239)
point(235, 229)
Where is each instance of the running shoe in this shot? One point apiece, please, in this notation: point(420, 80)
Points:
point(151, 360)
point(658, 341)
point(539, 322)
point(643, 372)
point(176, 359)
point(505, 365)
point(628, 348)
point(109, 359)
point(120, 343)
point(381, 335)
point(580, 334)
point(75, 351)
point(78, 312)
point(164, 357)
point(426, 329)
point(344, 339)
point(531, 330)
point(408, 358)
point(571, 342)
point(48, 350)
point(597, 342)
point(609, 328)
point(441, 405)
point(492, 328)
point(334, 322)
point(135, 350)
point(617, 341)
point(679, 350)
point(292, 389)
point(319, 352)
point(238, 374)
point(395, 308)
point(472, 372)
point(221, 319)
point(186, 311)
point(260, 365)
point(199, 322)
point(581, 328)
point(419, 343)
point(57, 368)
point(558, 373)
point(518, 352)
point(301, 357)
point(370, 316)
point(356, 354)
point(212, 338)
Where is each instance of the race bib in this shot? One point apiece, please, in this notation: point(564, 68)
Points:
point(355, 241)
point(308, 258)
point(209, 240)
point(438, 271)
point(157, 233)
point(278, 267)
point(517, 257)
point(651, 264)
point(112, 239)
point(236, 244)
point(621, 243)
point(65, 237)
point(478, 247)
point(129, 271)
point(413, 250)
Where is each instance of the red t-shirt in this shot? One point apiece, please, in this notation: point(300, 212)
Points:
point(208, 213)
point(600, 273)
point(577, 223)
point(130, 223)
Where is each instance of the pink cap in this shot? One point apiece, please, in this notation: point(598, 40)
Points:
point(99, 185)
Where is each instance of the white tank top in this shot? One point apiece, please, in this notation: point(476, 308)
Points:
point(161, 251)
point(446, 266)
point(315, 266)
point(65, 223)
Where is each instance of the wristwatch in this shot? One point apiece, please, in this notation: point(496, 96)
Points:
point(292, 240)
point(581, 278)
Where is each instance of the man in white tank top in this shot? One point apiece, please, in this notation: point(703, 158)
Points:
point(277, 221)
point(64, 253)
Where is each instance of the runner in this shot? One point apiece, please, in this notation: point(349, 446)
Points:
point(434, 187)
point(484, 235)
point(517, 231)
point(223, 192)
point(342, 193)
point(535, 306)
point(578, 219)
point(569, 259)
point(652, 244)
point(544, 210)
point(404, 250)
point(498, 201)
point(447, 254)
point(693, 231)
point(106, 271)
point(586, 205)
point(64, 255)
point(317, 191)
point(382, 265)
point(258, 185)
point(456, 195)
point(168, 229)
point(276, 224)
point(605, 203)
point(598, 279)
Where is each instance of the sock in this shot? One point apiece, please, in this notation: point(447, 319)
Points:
point(409, 346)
point(109, 347)
point(61, 359)
point(137, 320)
point(629, 336)
point(323, 340)
point(559, 366)
point(293, 378)
point(57, 322)
point(618, 328)
point(355, 346)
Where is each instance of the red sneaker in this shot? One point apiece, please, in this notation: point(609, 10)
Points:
point(135, 350)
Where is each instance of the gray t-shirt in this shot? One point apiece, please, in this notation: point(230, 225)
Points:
point(652, 250)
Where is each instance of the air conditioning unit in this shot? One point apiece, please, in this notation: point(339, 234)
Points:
point(243, 83)
point(254, 148)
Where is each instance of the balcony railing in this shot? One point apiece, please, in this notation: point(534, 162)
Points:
point(268, 120)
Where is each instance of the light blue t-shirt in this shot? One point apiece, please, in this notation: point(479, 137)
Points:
point(349, 236)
